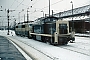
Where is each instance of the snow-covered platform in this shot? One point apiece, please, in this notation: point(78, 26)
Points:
point(8, 51)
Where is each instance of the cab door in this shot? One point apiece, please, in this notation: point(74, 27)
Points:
point(62, 27)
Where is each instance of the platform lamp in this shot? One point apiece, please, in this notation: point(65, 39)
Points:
point(72, 17)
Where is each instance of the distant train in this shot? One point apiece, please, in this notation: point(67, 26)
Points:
point(50, 30)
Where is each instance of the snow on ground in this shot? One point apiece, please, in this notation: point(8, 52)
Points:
point(79, 50)
point(12, 33)
point(4, 33)
point(87, 35)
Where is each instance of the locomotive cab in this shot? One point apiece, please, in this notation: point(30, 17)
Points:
point(62, 35)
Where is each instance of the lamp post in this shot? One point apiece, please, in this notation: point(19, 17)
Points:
point(14, 23)
point(49, 8)
point(43, 13)
point(8, 20)
point(24, 17)
point(1, 10)
point(27, 15)
point(19, 16)
point(1, 6)
point(72, 17)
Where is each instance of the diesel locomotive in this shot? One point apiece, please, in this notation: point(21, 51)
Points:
point(49, 29)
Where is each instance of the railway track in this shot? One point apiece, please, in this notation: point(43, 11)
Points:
point(50, 57)
point(37, 50)
point(75, 49)
point(82, 36)
point(69, 47)
point(85, 44)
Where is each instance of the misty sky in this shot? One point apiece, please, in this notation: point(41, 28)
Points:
point(35, 8)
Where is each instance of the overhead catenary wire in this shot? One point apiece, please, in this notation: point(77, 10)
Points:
point(47, 6)
point(29, 3)
point(19, 4)
point(34, 4)
point(12, 4)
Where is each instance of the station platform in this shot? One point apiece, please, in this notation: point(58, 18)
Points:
point(8, 51)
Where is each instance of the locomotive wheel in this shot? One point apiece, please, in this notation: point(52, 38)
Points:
point(34, 37)
point(71, 41)
point(48, 40)
point(65, 43)
point(48, 43)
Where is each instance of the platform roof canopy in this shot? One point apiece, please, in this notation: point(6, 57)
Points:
point(85, 10)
